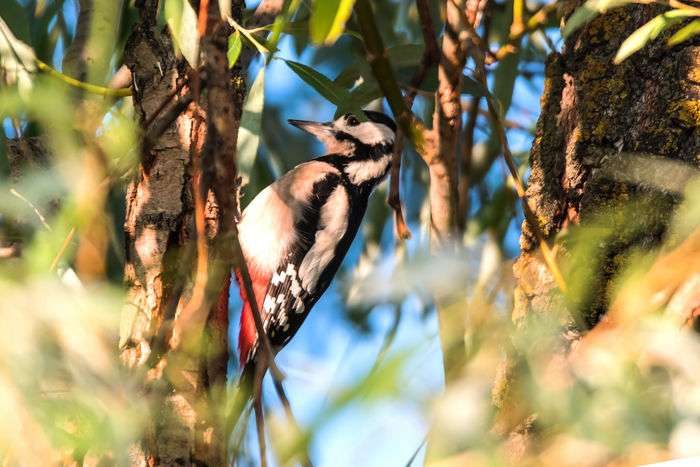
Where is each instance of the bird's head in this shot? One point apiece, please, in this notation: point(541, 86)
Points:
point(348, 136)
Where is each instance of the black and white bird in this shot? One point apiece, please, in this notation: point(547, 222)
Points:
point(296, 232)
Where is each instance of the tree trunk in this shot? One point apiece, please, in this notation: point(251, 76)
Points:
point(174, 327)
point(598, 122)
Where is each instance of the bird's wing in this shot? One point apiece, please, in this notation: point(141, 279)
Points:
point(303, 275)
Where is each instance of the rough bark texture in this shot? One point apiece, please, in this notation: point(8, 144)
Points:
point(175, 327)
point(596, 116)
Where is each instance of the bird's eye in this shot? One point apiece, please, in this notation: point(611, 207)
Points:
point(352, 120)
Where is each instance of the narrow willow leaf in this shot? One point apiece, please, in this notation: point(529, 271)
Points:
point(504, 79)
point(235, 44)
point(405, 55)
point(17, 60)
point(685, 33)
point(331, 91)
point(328, 18)
point(472, 87)
point(256, 43)
point(590, 10)
point(650, 31)
point(324, 86)
point(182, 21)
point(249, 132)
point(365, 93)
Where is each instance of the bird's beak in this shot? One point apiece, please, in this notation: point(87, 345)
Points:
point(319, 130)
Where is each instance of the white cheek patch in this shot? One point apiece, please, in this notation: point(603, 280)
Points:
point(365, 170)
point(369, 133)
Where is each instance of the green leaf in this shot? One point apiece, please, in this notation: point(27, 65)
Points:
point(235, 44)
point(247, 34)
point(17, 19)
point(331, 91)
point(472, 87)
point(686, 32)
point(17, 60)
point(182, 21)
point(588, 11)
point(405, 55)
point(650, 31)
point(324, 86)
point(504, 80)
point(249, 132)
point(328, 18)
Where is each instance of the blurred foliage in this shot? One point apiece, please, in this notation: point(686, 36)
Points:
point(64, 395)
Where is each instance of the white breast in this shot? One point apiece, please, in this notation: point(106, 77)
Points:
point(266, 230)
point(365, 170)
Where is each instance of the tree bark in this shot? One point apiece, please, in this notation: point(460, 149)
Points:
point(180, 210)
point(596, 118)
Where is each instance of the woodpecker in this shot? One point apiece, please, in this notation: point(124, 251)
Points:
point(295, 233)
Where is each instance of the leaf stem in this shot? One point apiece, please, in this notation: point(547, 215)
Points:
point(91, 88)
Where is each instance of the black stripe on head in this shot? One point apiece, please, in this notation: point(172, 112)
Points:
point(378, 117)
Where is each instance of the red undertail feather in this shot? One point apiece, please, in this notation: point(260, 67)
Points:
point(248, 333)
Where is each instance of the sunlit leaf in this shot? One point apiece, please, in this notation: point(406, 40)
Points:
point(235, 44)
point(328, 18)
point(17, 59)
point(686, 32)
point(650, 31)
point(590, 10)
point(249, 133)
point(182, 21)
point(249, 36)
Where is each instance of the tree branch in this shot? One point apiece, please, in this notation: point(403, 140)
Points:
point(535, 22)
point(381, 68)
point(479, 55)
point(431, 56)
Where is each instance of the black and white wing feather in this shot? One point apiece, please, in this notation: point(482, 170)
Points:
point(321, 240)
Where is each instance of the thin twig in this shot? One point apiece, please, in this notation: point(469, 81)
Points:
point(535, 22)
point(431, 56)
point(467, 156)
point(42, 219)
point(479, 54)
point(260, 429)
point(91, 88)
point(62, 250)
point(384, 74)
point(389, 338)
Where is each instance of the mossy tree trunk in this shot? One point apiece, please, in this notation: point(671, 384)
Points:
point(180, 210)
point(597, 120)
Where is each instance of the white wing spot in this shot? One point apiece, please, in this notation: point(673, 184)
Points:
point(268, 305)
